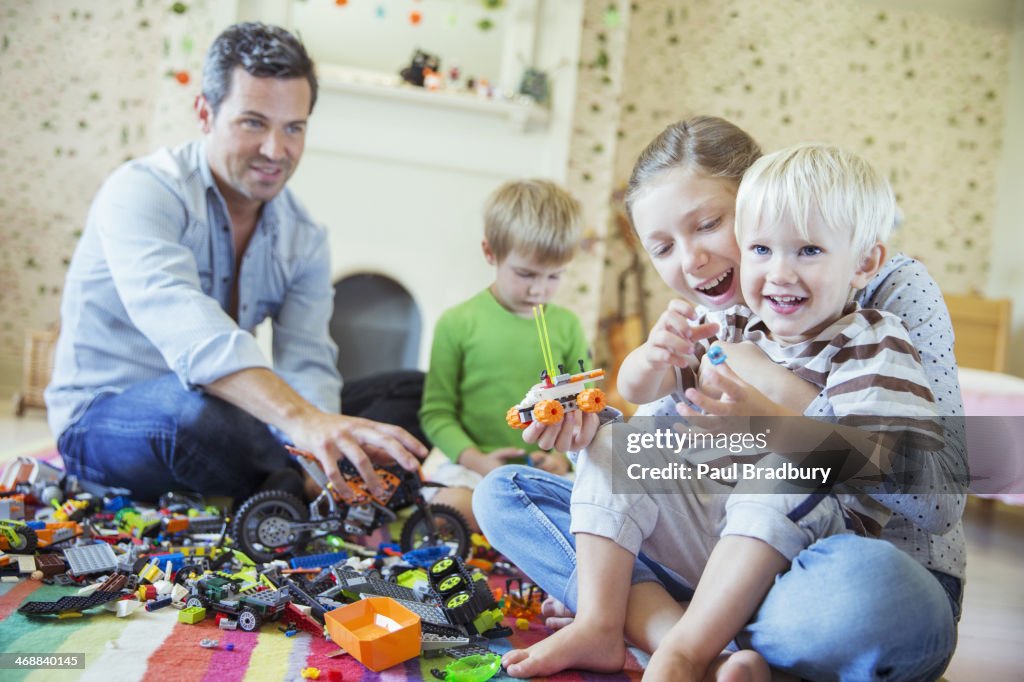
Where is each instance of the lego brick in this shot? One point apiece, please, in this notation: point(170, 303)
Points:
point(89, 559)
point(50, 564)
point(192, 615)
point(377, 632)
point(317, 560)
point(40, 608)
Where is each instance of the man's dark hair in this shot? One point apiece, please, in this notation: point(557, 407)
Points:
point(263, 51)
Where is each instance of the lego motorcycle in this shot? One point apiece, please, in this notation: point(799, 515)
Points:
point(274, 524)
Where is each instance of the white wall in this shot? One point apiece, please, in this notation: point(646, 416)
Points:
point(400, 180)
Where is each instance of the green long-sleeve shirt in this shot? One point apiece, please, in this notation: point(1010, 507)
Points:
point(483, 361)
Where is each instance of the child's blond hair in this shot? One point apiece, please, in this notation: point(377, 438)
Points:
point(850, 195)
point(537, 218)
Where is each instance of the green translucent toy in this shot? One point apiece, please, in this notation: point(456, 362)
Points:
point(475, 668)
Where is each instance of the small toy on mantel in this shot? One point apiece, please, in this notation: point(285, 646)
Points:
point(548, 401)
point(421, 62)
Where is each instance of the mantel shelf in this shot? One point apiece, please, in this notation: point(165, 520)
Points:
point(521, 114)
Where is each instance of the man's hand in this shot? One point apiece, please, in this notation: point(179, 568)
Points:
point(569, 435)
point(361, 441)
point(328, 436)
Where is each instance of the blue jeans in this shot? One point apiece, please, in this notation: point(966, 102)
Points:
point(158, 436)
point(849, 608)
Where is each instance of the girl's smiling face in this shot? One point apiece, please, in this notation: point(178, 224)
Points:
point(684, 219)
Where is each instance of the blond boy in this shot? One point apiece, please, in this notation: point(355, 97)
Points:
point(486, 355)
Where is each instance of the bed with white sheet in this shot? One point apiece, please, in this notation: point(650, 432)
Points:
point(993, 400)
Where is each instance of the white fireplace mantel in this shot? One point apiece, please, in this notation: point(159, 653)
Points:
point(399, 175)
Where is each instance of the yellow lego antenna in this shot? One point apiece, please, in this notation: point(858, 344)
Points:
point(545, 341)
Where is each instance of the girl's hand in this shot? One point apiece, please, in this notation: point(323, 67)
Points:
point(571, 434)
point(671, 341)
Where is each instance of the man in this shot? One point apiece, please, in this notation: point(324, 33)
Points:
point(158, 382)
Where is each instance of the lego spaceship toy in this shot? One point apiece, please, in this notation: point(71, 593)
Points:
point(558, 392)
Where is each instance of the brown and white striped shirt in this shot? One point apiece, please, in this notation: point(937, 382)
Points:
point(869, 370)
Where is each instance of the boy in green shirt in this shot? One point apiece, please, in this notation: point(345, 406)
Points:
point(486, 354)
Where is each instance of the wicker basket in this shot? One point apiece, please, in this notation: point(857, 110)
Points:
point(39, 349)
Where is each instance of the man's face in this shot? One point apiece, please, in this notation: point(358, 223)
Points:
point(255, 140)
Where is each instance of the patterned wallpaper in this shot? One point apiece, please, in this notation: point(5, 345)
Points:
point(90, 84)
point(919, 94)
point(590, 177)
point(86, 86)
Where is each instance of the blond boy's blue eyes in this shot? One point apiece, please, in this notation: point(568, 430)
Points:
point(761, 250)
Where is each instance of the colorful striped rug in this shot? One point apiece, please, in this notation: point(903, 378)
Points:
point(154, 647)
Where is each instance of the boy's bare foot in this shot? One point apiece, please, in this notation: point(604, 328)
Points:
point(579, 645)
point(742, 666)
point(556, 614)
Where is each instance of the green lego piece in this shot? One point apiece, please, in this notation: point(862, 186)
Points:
point(410, 578)
point(487, 620)
point(192, 615)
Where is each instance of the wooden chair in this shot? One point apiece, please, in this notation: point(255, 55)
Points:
point(982, 328)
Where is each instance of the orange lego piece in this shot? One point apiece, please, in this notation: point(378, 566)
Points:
point(378, 632)
point(591, 400)
point(548, 412)
point(513, 420)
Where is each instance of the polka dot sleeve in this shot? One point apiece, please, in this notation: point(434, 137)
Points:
point(905, 288)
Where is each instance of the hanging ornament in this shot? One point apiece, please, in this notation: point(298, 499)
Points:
point(485, 24)
point(493, 4)
point(181, 76)
point(415, 17)
point(381, 12)
point(187, 44)
point(453, 18)
point(611, 17)
point(340, 3)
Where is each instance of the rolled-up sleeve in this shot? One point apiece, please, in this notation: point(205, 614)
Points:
point(145, 231)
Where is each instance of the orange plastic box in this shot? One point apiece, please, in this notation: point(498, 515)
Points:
point(378, 632)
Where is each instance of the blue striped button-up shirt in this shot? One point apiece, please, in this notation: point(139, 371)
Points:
point(150, 283)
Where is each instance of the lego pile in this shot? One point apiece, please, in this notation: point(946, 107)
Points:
point(439, 605)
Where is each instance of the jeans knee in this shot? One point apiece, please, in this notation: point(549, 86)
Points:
point(492, 499)
point(853, 589)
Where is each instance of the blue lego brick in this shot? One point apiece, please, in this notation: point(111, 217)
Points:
point(318, 560)
point(116, 504)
